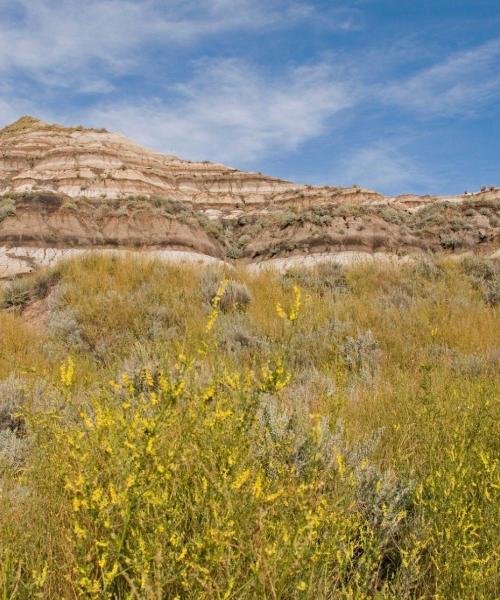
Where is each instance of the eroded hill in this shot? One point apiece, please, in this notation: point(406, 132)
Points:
point(64, 188)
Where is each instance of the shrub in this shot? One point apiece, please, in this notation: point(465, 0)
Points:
point(211, 227)
point(457, 224)
point(63, 326)
point(287, 219)
point(234, 334)
point(13, 449)
point(479, 269)
point(234, 253)
point(70, 205)
point(324, 277)
point(429, 215)
point(485, 276)
point(427, 268)
point(244, 240)
point(19, 292)
point(236, 295)
point(12, 399)
point(7, 208)
point(392, 215)
point(450, 242)
point(361, 353)
point(492, 292)
point(13, 442)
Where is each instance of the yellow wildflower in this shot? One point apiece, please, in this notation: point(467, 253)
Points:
point(241, 479)
point(182, 554)
point(257, 486)
point(67, 372)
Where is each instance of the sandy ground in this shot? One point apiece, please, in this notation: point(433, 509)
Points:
point(22, 260)
point(342, 258)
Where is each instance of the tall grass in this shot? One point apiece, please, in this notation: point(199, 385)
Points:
point(323, 434)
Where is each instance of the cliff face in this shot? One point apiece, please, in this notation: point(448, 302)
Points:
point(76, 162)
point(74, 188)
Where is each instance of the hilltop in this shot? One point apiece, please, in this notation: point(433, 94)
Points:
point(94, 163)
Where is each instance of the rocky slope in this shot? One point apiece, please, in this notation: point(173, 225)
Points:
point(63, 188)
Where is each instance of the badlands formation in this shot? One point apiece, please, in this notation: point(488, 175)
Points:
point(68, 190)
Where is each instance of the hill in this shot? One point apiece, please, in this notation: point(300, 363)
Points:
point(68, 189)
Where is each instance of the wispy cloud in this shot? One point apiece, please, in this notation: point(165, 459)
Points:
point(60, 41)
point(56, 56)
point(232, 111)
point(385, 167)
point(12, 104)
point(7, 113)
point(461, 84)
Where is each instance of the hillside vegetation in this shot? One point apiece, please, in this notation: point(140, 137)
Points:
point(184, 432)
point(266, 232)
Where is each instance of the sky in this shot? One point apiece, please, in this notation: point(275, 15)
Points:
point(401, 96)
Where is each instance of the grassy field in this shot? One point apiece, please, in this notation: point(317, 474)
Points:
point(175, 432)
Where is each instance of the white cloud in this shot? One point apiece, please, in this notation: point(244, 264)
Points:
point(7, 113)
point(11, 106)
point(461, 84)
point(384, 167)
point(235, 113)
point(59, 42)
point(231, 110)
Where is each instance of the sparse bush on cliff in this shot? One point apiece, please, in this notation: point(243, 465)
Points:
point(450, 242)
point(7, 208)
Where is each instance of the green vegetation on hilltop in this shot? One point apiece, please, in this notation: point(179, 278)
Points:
point(183, 432)
point(28, 123)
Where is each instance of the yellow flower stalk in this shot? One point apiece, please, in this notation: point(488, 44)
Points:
point(215, 312)
point(293, 314)
point(67, 372)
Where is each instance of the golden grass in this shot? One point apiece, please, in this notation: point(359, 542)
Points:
point(317, 443)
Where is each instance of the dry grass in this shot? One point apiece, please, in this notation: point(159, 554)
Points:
point(334, 435)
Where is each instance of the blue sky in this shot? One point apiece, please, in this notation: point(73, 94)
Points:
point(396, 95)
